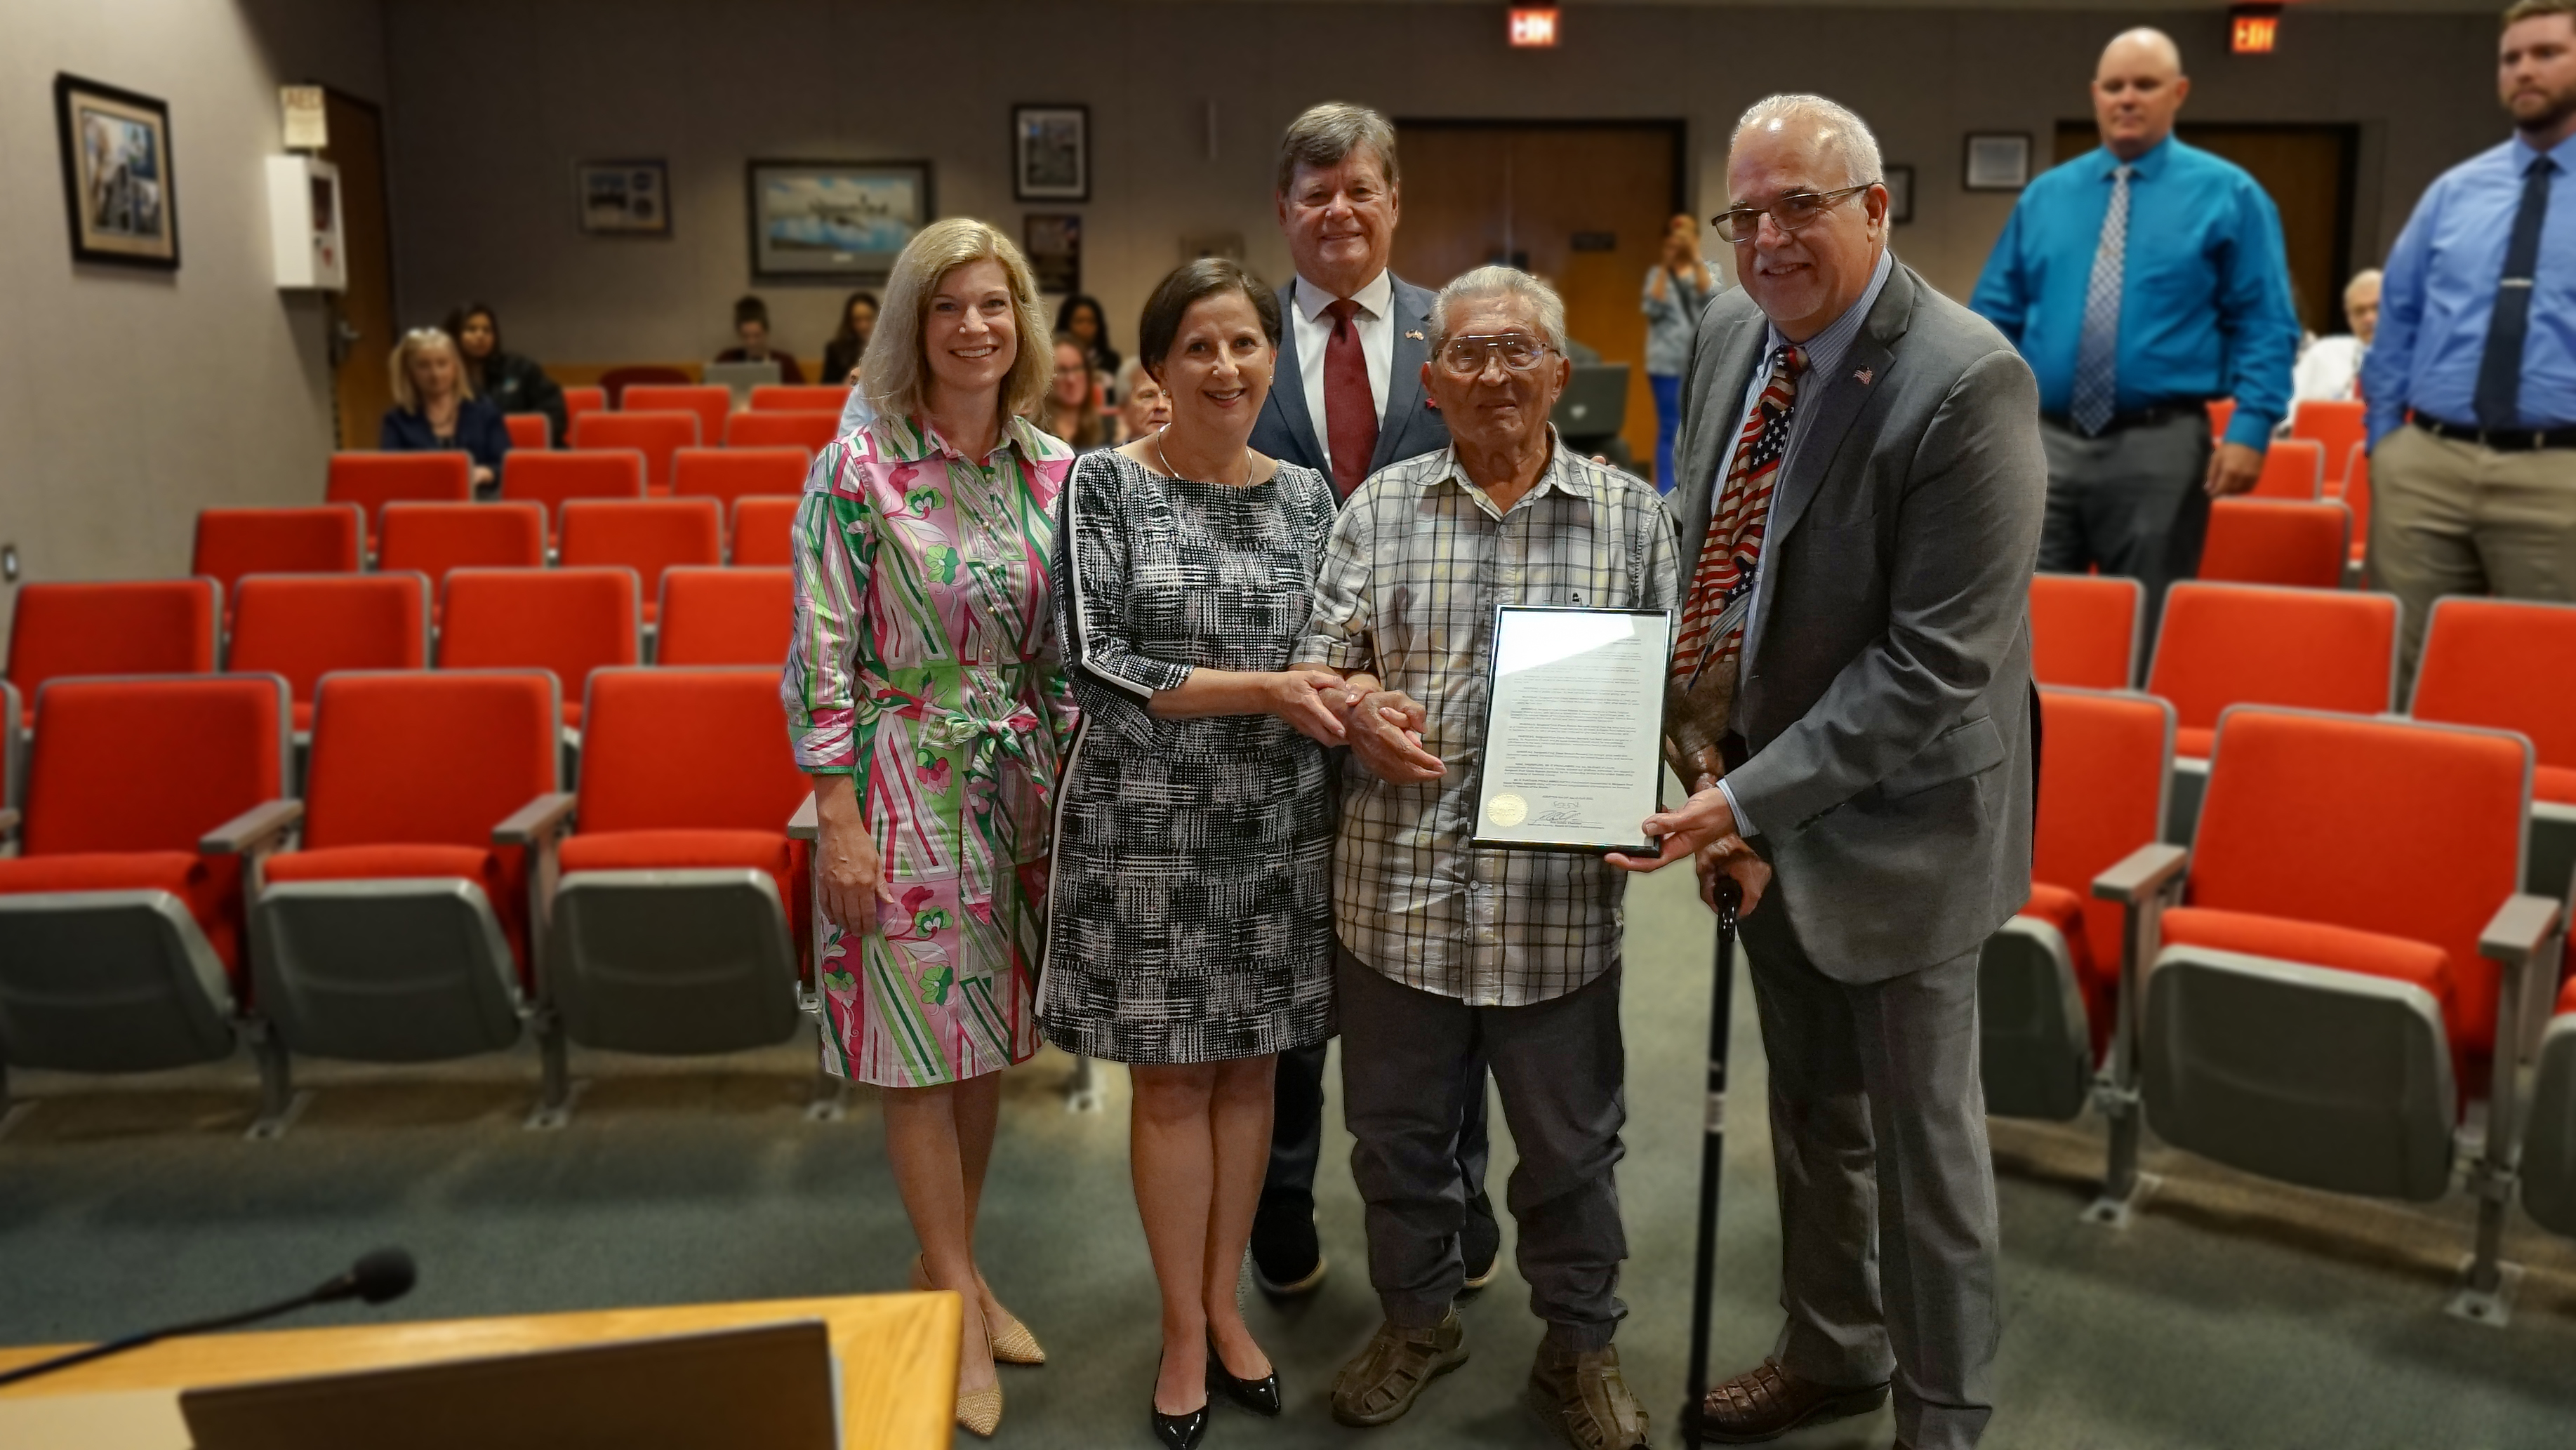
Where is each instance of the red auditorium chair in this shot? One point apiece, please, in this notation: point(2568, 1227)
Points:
point(761, 525)
point(399, 931)
point(2336, 428)
point(2050, 980)
point(727, 474)
point(710, 401)
point(2549, 1148)
point(2277, 541)
point(434, 539)
point(132, 627)
point(553, 479)
point(372, 480)
point(800, 398)
point(529, 430)
point(2322, 1009)
point(737, 616)
point(656, 435)
point(578, 401)
point(121, 916)
point(301, 627)
point(323, 539)
point(567, 621)
point(645, 535)
point(806, 431)
point(2231, 644)
point(2294, 468)
point(2084, 630)
point(614, 382)
point(2222, 411)
point(2510, 664)
point(677, 923)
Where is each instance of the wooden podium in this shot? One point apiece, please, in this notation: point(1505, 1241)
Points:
point(898, 1354)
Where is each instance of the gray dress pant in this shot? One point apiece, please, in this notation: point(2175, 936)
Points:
point(1409, 1066)
point(2130, 501)
point(1887, 1187)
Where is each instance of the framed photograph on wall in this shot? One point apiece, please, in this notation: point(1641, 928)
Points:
point(1051, 153)
point(1053, 244)
point(623, 198)
point(1900, 195)
point(1997, 161)
point(815, 220)
point(118, 185)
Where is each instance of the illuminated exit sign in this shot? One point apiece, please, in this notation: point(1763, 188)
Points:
point(1532, 25)
point(2253, 29)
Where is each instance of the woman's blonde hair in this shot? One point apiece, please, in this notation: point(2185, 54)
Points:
point(414, 343)
point(898, 375)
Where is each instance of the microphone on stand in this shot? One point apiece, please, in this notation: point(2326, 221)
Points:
point(385, 1274)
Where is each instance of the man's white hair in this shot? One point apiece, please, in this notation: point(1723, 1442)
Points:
point(1837, 131)
point(1546, 308)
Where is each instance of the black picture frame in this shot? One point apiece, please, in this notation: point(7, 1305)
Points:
point(1900, 195)
point(622, 198)
point(802, 215)
point(98, 123)
point(1992, 171)
point(1051, 151)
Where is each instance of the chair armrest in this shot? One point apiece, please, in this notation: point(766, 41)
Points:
point(2141, 874)
point(2519, 930)
point(535, 822)
point(253, 829)
point(807, 823)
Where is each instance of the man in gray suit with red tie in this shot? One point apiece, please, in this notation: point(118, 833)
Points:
point(1862, 487)
point(1346, 401)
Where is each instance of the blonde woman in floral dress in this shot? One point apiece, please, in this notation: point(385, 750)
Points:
point(924, 699)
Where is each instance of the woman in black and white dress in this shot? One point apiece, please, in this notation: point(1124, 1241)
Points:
point(1190, 920)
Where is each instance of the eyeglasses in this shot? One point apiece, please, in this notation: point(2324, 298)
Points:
point(1790, 213)
point(1465, 355)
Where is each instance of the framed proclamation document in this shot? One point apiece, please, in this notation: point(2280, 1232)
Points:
point(1574, 729)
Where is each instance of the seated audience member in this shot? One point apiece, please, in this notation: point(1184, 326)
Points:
point(1082, 319)
point(435, 407)
point(1071, 409)
point(2330, 369)
point(858, 322)
point(512, 383)
point(751, 325)
point(1143, 406)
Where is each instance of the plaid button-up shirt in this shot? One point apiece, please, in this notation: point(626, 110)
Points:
point(1418, 562)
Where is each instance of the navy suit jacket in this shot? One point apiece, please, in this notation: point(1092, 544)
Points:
point(1407, 424)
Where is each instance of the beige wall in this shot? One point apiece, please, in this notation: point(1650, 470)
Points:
point(128, 399)
point(499, 99)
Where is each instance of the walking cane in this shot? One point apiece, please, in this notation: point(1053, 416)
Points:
point(1712, 1159)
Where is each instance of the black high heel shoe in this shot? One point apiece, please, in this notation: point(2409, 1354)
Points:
point(1260, 1396)
point(1177, 1432)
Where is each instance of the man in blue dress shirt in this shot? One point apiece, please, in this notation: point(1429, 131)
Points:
point(2477, 347)
point(2140, 281)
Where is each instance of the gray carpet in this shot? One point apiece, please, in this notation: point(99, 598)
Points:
point(2234, 1313)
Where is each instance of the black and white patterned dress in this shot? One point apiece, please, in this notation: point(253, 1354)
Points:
point(1191, 907)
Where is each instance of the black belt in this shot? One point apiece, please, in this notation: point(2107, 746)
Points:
point(2514, 440)
point(2135, 418)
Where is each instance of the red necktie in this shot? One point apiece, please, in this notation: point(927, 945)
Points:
point(1350, 407)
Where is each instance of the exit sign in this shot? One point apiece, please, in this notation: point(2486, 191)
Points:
point(1532, 25)
point(2253, 29)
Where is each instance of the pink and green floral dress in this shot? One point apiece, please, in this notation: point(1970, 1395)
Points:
point(924, 665)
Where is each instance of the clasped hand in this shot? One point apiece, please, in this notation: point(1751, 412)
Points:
point(1385, 729)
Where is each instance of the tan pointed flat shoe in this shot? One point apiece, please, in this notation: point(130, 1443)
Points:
point(1010, 1340)
point(979, 1412)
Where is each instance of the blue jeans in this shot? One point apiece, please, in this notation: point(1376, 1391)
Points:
point(1668, 421)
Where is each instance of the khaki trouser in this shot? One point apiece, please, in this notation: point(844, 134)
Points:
point(2448, 517)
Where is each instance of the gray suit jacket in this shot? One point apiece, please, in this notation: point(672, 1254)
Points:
point(1886, 692)
point(1407, 423)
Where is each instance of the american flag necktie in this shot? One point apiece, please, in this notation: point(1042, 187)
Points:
point(1732, 554)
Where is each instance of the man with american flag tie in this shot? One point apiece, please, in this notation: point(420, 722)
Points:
point(1862, 488)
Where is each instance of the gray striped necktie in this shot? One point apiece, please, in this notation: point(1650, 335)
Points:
point(2097, 376)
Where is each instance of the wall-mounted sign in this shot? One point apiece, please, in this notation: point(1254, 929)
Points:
point(1531, 26)
point(2253, 29)
point(307, 124)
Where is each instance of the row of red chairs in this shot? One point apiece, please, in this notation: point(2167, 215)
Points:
point(658, 432)
point(302, 627)
point(372, 480)
point(432, 894)
point(679, 393)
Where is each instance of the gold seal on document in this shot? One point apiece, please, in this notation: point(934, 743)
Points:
point(1507, 810)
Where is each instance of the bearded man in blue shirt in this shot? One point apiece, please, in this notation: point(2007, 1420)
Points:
point(2140, 281)
point(2472, 380)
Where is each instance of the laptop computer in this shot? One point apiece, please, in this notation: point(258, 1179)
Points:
point(1594, 403)
point(742, 377)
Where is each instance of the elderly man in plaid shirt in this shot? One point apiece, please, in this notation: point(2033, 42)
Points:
point(1450, 951)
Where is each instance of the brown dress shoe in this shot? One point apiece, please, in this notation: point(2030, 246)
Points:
point(1767, 1402)
point(1583, 1396)
point(1383, 1382)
